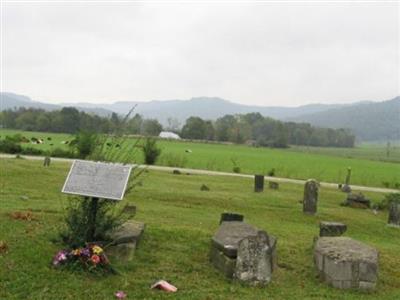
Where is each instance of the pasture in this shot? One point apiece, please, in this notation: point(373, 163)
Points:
point(180, 221)
point(324, 164)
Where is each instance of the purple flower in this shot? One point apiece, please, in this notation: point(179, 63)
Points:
point(85, 252)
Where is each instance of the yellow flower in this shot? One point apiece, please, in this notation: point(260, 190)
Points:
point(97, 250)
point(76, 252)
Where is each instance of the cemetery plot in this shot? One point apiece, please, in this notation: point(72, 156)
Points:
point(95, 179)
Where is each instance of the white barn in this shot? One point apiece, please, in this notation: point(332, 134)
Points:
point(169, 135)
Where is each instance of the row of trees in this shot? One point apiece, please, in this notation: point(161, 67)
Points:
point(263, 131)
point(70, 120)
point(251, 127)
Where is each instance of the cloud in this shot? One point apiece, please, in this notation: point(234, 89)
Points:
point(256, 53)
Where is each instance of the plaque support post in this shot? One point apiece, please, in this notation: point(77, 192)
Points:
point(92, 219)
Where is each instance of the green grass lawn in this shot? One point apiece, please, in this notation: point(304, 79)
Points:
point(180, 221)
point(324, 164)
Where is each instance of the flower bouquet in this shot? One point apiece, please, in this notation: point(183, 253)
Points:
point(91, 258)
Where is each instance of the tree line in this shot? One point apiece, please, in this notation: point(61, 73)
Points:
point(251, 128)
point(70, 120)
point(257, 130)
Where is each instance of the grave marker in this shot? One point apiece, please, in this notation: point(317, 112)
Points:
point(258, 183)
point(310, 197)
point(95, 180)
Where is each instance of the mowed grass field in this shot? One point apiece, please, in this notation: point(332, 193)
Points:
point(323, 164)
point(180, 221)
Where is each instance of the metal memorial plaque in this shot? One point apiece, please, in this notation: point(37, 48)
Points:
point(96, 179)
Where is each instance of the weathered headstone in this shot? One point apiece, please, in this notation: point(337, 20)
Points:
point(258, 183)
point(357, 201)
point(125, 240)
point(229, 217)
point(46, 161)
point(394, 214)
point(310, 198)
point(255, 259)
point(256, 250)
point(346, 263)
point(332, 228)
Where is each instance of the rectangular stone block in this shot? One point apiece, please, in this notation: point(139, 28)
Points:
point(223, 263)
point(368, 271)
point(338, 270)
point(366, 285)
point(122, 252)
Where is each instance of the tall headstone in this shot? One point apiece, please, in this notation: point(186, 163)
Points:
point(258, 183)
point(346, 186)
point(310, 198)
point(348, 176)
point(394, 214)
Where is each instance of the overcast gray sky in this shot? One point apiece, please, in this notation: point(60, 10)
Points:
point(253, 53)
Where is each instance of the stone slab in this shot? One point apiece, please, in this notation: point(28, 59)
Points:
point(229, 234)
point(331, 228)
point(129, 232)
point(229, 217)
point(222, 262)
point(346, 263)
point(358, 201)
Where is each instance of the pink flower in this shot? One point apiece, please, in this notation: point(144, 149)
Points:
point(60, 257)
point(95, 259)
point(120, 295)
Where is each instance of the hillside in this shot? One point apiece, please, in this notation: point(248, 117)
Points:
point(15, 101)
point(368, 121)
point(205, 107)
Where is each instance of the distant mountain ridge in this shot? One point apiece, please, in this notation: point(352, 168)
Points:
point(368, 120)
point(206, 108)
point(12, 101)
point(377, 121)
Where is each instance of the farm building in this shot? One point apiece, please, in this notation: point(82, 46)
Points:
point(169, 135)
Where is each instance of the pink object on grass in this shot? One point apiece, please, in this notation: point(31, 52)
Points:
point(165, 286)
point(120, 295)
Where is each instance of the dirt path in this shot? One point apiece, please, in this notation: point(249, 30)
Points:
point(216, 173)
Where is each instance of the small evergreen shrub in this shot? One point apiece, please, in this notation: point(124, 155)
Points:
point(9, 146)
point(109, 216)
point(151, 151)
point(385, 202)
